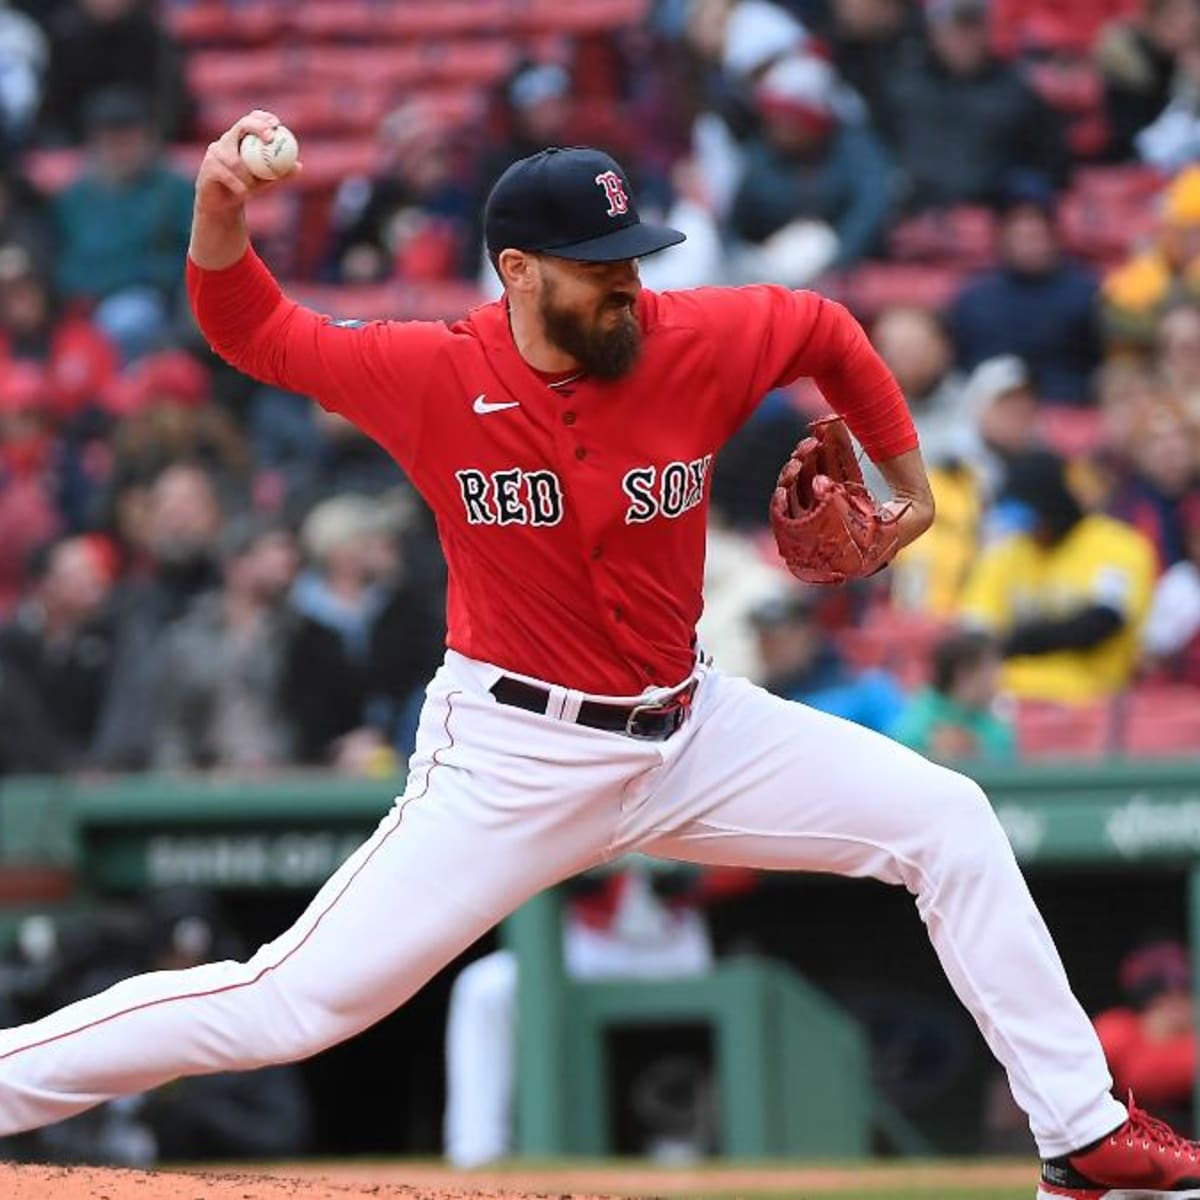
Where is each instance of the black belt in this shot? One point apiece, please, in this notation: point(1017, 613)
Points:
point(654, 722)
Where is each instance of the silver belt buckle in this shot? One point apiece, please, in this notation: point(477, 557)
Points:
point(634, 713)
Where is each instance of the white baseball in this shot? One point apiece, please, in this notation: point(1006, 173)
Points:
point(273, 159)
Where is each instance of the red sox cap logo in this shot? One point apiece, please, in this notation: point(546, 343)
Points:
point(614, 189)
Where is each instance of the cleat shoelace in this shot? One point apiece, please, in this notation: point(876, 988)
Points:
point(1150, 1131)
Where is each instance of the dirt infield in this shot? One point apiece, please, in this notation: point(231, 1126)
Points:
point(421, 1181)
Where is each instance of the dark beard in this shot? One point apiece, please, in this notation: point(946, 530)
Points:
point(603, 354)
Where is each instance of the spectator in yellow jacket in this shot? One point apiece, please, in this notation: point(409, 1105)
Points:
point(1066, 592)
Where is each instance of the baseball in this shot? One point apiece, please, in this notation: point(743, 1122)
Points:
point(273, 159)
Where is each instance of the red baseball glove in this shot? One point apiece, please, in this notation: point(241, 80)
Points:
point(827, 525)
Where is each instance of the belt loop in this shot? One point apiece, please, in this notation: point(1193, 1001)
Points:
point(556, 701)
point(571, 702)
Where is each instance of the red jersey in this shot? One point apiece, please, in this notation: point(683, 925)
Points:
point(1162, 1074)
point(572, 518)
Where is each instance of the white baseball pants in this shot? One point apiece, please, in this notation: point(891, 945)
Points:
point(501, 803)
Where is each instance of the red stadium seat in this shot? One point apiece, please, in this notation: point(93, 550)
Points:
point(872, 287)
point(899, 642)
point(1162, 720)
point(52, 170)
point(1070, 87)
point(444, 18)
point(215, 21)
point(1071, 432)
point(964, 236)
point(429, 302)
point(213, 73)
point(1064, 731)
point(580, 16)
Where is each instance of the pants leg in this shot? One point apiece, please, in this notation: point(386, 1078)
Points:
point(477, 831)
point(481, 1033)
point(762, 782)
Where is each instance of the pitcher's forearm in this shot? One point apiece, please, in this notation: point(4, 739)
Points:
point(219, 239)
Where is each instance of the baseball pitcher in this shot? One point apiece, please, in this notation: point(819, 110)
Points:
point(564, 437)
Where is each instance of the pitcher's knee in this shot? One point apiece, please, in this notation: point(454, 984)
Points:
point(966, 839)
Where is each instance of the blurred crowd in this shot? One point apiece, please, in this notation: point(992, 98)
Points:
point(200, 573)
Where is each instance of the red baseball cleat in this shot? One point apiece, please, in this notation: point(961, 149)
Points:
point(1141, 1160)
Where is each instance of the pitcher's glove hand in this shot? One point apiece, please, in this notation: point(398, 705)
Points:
point(827, 525)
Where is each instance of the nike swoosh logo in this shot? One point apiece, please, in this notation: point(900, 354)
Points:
point(482, 406)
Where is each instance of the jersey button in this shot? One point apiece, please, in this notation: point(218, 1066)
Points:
point(580, 453)
point(568, 418)
point(597, 551)
point(618, 614)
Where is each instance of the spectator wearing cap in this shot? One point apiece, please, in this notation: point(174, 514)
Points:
point(1162, 478)
point(815, 187)
point(1138, 61)
point(79, 362)
point(1150, 1040)
point(367, 638)
point(801, 663)
point(172, 533)
point(165, 414)
point(60, 641)
point(75, 363)
point(99, 44)
point(222, 703)
point(1066, 596)
point(124, 226)
point(30, 462)
point(536, 104)
point(407, 221)
point(1155, 277)
point(955, 717)
point(994, 423)
point(1034, 303)
point(960, 120)
point(1171, 638)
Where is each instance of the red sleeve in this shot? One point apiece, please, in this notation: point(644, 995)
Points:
point(375, 374)
point(765, 336)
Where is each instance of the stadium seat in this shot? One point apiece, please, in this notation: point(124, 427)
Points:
point(963, 236)
point(52, 170)
point(1071, 432)
point(899, 642)
point(1071, 87)
point(872, 287)
point(427, 302)
point(1162, 719)
point(212, 21)
point(580, 16)
point(214, 73)
point(444, 18)
point(1064, 731)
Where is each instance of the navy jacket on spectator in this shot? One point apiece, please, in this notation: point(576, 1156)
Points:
point(956, 137)
point(1048, 320)
point(847, 186)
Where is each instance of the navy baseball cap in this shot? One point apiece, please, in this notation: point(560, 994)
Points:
point(573, 203)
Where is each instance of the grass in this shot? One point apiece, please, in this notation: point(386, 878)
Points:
point(925, 1193)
